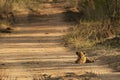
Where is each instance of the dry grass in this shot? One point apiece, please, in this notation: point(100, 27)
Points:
point(110, 43)
point(80, 34)
point(88, 34)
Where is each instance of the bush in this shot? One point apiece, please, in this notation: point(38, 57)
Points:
point(100, 9)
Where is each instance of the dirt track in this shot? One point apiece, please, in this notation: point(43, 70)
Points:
point(36, 48)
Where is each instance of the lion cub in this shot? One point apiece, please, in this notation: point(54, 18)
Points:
point(81, 58)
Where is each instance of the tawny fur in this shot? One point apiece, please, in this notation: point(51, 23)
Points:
point(81, 58)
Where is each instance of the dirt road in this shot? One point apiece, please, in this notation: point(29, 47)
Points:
point(36, 48)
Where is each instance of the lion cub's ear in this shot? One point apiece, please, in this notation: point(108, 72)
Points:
point(77, 53)
point(84, 53)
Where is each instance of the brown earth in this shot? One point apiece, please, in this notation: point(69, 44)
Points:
point(35, 48)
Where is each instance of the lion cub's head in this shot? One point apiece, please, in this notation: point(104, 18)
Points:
point(81, 57)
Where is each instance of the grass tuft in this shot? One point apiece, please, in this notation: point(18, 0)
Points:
point(89, 34)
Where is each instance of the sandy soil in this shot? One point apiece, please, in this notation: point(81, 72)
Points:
point(35, 48)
